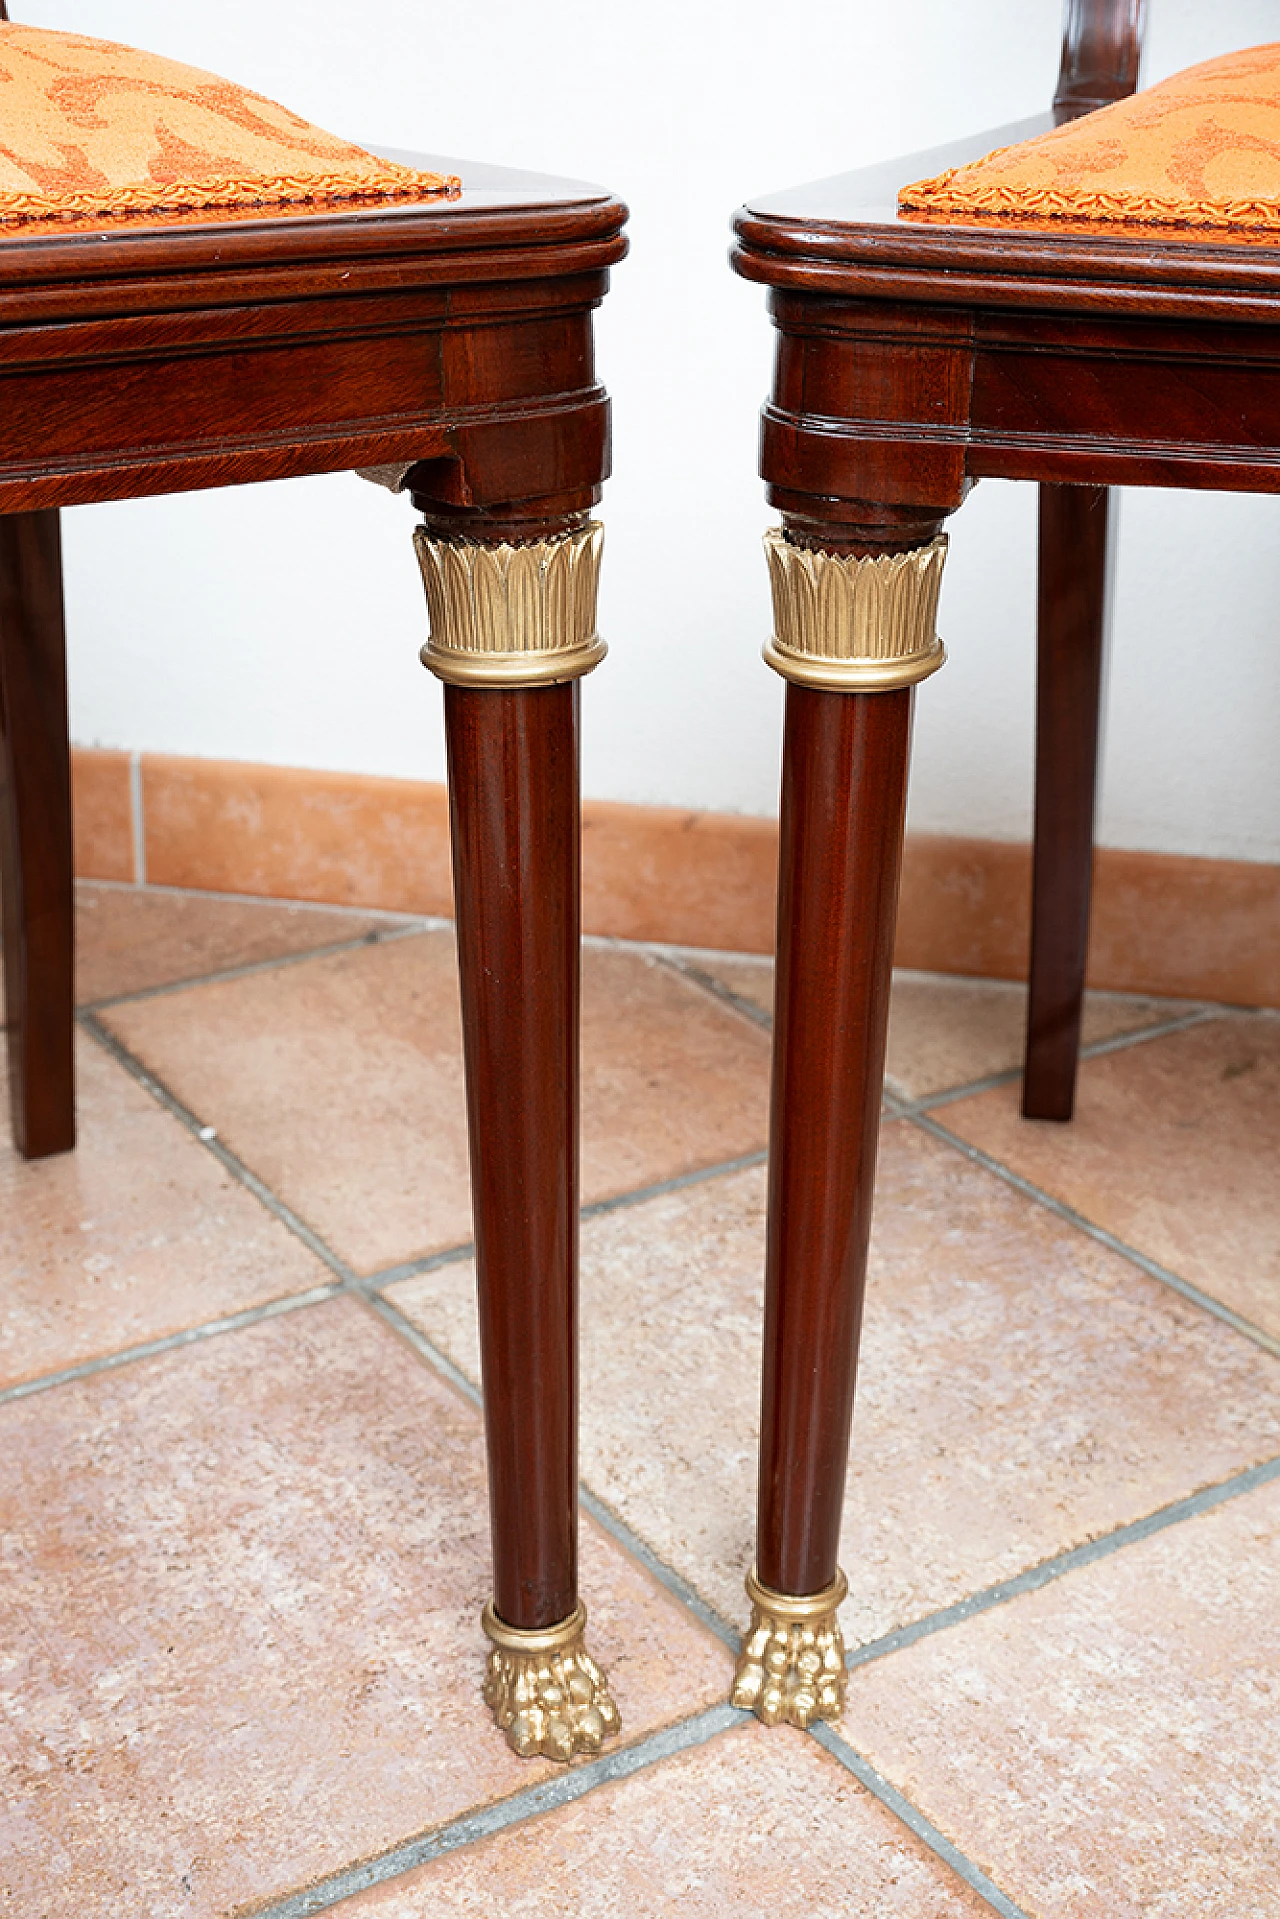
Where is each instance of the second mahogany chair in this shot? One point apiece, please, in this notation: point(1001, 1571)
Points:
point(1092, 307)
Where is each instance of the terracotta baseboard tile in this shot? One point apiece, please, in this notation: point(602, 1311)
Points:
point(346, 839)
point(965, 907)
point(1199, 929)
point(102, 813)
point(689, 879)
point(1162, 923)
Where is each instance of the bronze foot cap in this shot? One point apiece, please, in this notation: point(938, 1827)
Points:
point(791, 1668)
point(545, 1690)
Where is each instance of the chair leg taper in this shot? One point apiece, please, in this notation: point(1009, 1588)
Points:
point(512, 630)
point(854, 631)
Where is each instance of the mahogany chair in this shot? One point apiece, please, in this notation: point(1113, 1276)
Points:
point(447, 343)
point(913, 357)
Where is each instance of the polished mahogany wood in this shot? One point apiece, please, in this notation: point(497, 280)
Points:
point(35, 835)
point(843, 808)
point(513, 791)
point(202, 351)
point(914, 356)
point(1101, 53)
point(1073, 587)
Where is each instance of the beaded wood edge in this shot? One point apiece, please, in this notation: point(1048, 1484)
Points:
point(512, 615)
point(791, 1668)
point(852, 624)
point(545, 1691)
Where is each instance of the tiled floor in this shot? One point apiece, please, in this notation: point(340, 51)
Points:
point(242, 1505)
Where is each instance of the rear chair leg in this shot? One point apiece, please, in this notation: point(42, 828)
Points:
point(1074, 524)
point(35, 835)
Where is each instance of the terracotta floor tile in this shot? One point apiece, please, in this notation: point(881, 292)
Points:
point(1174, 1148)
point(945, 1031)
point(1021, 1389)
point(1110, 1744)
point(754, 1823)
point(340, 1083)
point(136, 1234)
point(131, 938)
point(239, 1622)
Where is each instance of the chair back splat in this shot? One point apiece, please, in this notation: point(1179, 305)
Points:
point(1101, 50)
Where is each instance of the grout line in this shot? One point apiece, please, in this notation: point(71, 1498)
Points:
point(1049, 1570)
point(907, 1108)
point(717, 988)
point(413, 1268)
point(676, 1584)
point(1117, 1043)
point(676, 1184)
point(572, 1783)
point(425, 1348)
point(137, 820)
point(1176, 1023)
point(451, 1255)
point(210, 1141)
point(923, 1828)
point(672, 949)
point(190, 1336)
point(376, 937)
point(1152, 1268)
point(432, 920)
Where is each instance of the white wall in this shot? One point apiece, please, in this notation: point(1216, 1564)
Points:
point(282, 623)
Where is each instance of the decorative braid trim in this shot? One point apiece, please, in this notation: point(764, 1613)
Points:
point(1067, 203)
point(387, 182)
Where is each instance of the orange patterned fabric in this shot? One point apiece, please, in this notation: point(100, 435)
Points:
point(1201, 149)
point(90, 128)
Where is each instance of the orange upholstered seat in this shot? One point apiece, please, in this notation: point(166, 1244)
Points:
point(1201, 149)
point(88, 128)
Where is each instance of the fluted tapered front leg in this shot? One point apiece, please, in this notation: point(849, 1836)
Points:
point(853, 632)
point(512, 631)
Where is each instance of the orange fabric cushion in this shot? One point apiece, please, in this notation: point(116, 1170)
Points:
point(91, 128)
point(1201, 149)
